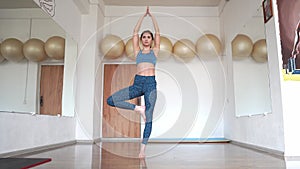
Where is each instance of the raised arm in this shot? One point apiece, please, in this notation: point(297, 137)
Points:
point(157, 33)
point(135, 37)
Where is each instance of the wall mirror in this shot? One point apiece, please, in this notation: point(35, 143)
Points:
point(26, 85)
point(250, 68)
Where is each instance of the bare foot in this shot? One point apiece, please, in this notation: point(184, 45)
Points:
point(143, 163)
point(141, 110)
point(142, 154)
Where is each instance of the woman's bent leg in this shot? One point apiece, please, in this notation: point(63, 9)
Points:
point(119, 98)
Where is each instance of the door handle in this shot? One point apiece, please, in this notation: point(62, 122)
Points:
point(41, 101)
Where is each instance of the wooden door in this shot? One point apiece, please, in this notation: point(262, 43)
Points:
point(118, 122)
point(51, 86)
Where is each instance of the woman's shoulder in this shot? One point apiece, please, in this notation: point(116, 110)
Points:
point(155, 51)
point(138, 52)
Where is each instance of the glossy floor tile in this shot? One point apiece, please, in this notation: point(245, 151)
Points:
point(159, 156)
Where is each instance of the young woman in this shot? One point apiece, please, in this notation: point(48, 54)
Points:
point(144, 81)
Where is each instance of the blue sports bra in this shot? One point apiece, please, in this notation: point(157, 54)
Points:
point(146, 57)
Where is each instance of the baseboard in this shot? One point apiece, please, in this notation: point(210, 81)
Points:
point(272, 152)
point(188, 140)
point(292, 158)
point(97, 140)
point(37, 149)
point(168, 140)
point(119, 140)
point(85, 142)
point(94, 141)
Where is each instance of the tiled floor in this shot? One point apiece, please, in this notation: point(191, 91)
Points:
point(159, 156)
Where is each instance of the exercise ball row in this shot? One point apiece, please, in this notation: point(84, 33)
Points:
point(33, 49)
point(207, 45)
point(243, 47)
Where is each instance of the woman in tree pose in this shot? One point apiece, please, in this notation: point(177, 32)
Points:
point(144, 81)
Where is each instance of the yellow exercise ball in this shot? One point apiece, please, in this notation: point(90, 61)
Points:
point(112, 47)
point(208, 45)
point(12, 49)
point(165, 48)
point(184, 49)
point(1, 57)
point(55, 47)
point(33, 50)
point(129, 49)
point(241, 46)
point(259, 52)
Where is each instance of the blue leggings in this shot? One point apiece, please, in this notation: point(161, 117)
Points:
point(143, 85)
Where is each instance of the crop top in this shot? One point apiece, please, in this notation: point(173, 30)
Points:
point(146, 57)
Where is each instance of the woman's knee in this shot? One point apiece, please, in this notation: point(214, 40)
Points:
point(110, 101)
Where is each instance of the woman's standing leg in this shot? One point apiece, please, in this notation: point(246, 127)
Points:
point(150, 100)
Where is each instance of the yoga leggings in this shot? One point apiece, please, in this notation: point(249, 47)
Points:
point(143, 85)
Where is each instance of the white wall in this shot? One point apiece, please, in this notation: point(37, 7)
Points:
point(263, 131)
point(251, 87)
point(251, 78)
point(98, 76)
point(24, 131)
point(18, 94)
point(87, 74)
point(70, 59)
point(191, 95)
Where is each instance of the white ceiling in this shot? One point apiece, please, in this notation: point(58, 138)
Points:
point(163, 2)
point(10, 4)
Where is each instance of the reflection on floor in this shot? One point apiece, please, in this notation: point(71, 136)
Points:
point(159, 156)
